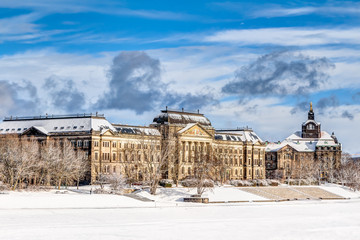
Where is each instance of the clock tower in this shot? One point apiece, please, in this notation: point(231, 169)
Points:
point(311, 128)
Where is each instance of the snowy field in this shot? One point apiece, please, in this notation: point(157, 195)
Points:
point(47, 215)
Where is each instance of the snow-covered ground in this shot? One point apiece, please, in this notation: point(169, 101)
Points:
point(47, 215)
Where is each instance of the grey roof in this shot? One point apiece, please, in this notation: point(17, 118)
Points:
point(181, 118)
point(64, 124)
point(244, 135)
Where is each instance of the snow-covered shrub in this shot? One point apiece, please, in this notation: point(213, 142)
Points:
point(273, 182)
point(4, 186)
point(117, 181)
point(261, 182)
point(242, 183)
point(191, 182)
point(194, 183)
point(101, 191)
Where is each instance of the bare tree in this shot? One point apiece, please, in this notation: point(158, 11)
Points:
point(157, 160)
point(349, 172)
point(204, 168)
point(17, 159)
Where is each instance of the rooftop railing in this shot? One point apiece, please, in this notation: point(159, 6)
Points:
point(47, 116)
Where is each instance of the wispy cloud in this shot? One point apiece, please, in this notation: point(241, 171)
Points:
point(287, 36)
point(354, 9)
point(20, 24)
point(104, 7)
point(271, 10)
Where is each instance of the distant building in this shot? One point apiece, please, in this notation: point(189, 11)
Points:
point(302, 150)
point(117, 148)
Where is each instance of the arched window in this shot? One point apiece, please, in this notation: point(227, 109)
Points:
point(310, 126)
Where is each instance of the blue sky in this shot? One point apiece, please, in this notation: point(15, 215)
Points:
point(242, 63)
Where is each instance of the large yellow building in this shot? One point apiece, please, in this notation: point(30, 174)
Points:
point(116, 148)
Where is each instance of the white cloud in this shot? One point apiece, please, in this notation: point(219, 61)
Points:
point(88, 72)
point(348, 9)
point(104, 7)
point(286, 36)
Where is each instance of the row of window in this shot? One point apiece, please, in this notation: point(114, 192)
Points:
point(69, 127)
point(106, 144)
point(55, 128)
point(127, 157)
point(80, 143)
point(12, 130)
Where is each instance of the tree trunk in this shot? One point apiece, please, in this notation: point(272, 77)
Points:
point(59, 183)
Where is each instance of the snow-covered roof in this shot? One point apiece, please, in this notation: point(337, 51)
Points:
point(55, 125)
point(182, 118)
point(126, 129)
point(300, 146)
point(245, 135)
point(303, 144)
point(311, 121)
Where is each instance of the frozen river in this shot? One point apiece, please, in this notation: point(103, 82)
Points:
point(288, 220)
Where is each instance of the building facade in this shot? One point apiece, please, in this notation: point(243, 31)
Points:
point(304, 152)
point(116, 148)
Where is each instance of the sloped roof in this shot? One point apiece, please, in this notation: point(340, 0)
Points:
point(182, 118)
point(238, 135)
point(126, 129)
point(70, 124)
point(303, 144)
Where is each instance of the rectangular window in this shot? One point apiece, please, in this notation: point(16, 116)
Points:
point(86, 143)
point(114, 157)
point(73, 143)
point(96, 156)
point(106, 144)
point(114, 144)
point(96, 143)
point(79, 143)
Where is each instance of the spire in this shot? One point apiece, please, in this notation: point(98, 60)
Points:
point(311, 115)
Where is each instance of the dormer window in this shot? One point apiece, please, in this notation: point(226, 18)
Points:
point(55, 128)
point(19, 129)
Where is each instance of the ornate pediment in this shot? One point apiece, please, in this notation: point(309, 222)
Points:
point(107, 132)
point(194, 130)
